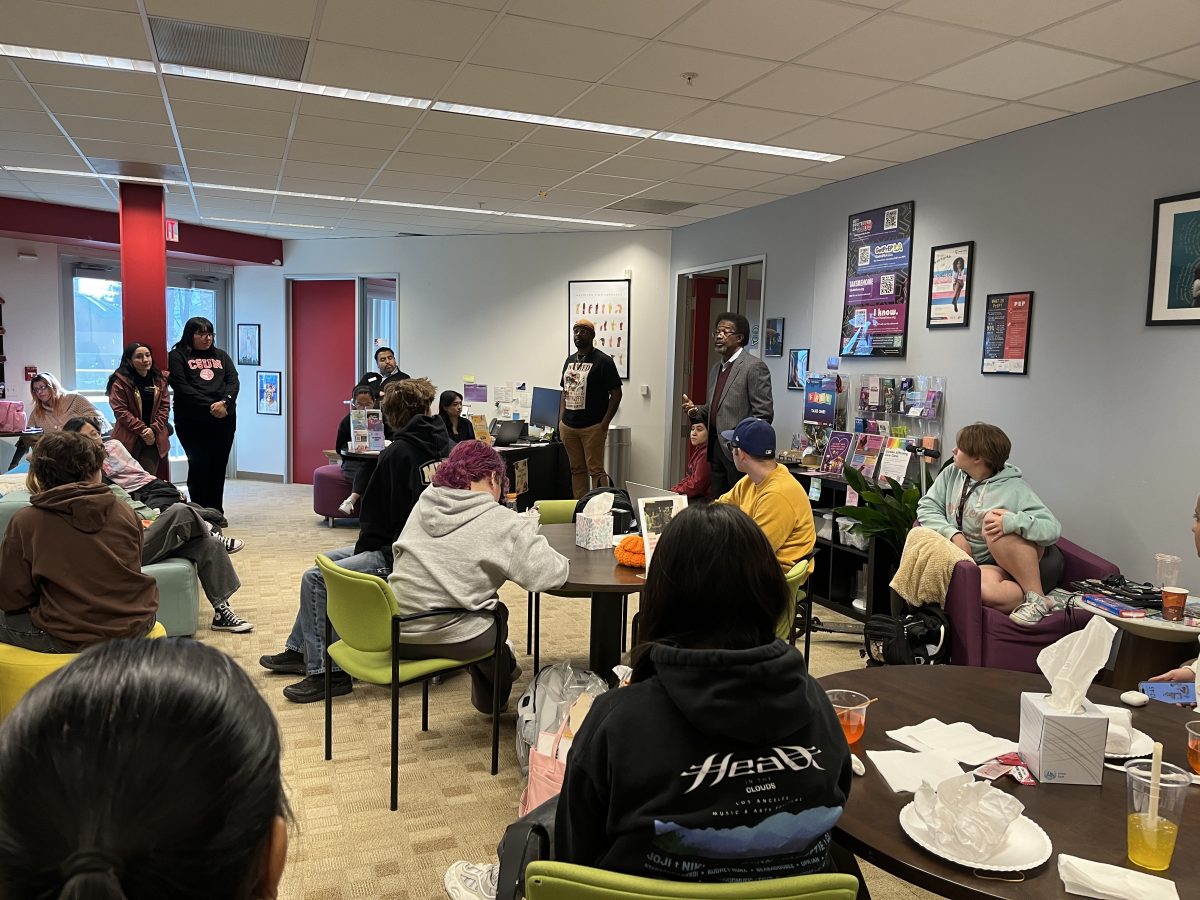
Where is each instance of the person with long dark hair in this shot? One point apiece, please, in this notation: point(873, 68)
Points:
point(144, 770)
point(137, 392)
point(206, 385)
point(450, 405)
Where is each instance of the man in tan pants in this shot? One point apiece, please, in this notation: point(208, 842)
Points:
point(590, 397)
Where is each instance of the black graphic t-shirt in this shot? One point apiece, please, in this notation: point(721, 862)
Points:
point(586, 383)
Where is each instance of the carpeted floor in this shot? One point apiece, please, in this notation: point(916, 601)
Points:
point(345, 843)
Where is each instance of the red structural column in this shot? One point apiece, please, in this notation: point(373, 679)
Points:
point(144, 268)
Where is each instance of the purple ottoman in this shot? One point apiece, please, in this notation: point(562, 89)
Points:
point(330, 488)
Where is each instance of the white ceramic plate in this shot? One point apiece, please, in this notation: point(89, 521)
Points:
point(1141, 745)
point(1027, 846)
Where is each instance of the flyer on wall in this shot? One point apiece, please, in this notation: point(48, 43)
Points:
point(878, 272)
point(820, 399)
point(1006, 333)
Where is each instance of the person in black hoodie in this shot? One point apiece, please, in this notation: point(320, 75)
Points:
point(404, 469)
point(722, 760)
point(205, 382)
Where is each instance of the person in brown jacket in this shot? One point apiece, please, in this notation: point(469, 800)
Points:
point(71, 562)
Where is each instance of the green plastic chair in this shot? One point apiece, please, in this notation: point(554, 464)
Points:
point(546, 880)
point(796, 577)
point(364, 611)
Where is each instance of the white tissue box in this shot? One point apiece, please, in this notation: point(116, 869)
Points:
point(595, 532)
point(1062, 748)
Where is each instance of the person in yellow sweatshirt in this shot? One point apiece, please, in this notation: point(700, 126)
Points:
point(768, 493)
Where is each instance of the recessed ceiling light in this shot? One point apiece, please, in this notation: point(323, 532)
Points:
point(463, 109)
point(302, 87)
point(91, 60)
point(742, 146)
point(258, 222)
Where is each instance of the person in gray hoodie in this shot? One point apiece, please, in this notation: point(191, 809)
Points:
point(459, 546)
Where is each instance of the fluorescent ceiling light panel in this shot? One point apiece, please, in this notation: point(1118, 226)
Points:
point(742, 146)
point(91, 60)
point(302, 87)
point(257, 222)
point(553, 121)
point(574, 221)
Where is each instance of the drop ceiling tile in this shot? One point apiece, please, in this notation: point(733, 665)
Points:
point(740, 123)
point(477, 126)
point(677, 221)
point(917, 107)
point(691, 153)
point(80, 127)
point(789, 185)
point(421, 164)
point(684, 193)
point(238, 119)
point(710, 211)
point(917, 146)
point(1112, 87)
point(339, 131)
point(724, 177)
point(660, 66)
point(14, 95)
point(745, 199)
point(628, 166)
point(103, 104)
point(114, 5)
point(582, 199)
point(127, 152)
point(608, 184)
point(1010, 117)
point(548, 208)
point(850, 167)
point(505, 89)
point(337, 154)
point(543, 179)
point(38, 159)
point(837, 136)
point(78, 28)
point(770, 29)
point(54, 144)
point(626, 106)
point(1012, 17)
point(582, 140)
point(564, 158)
point(762, 162)
point(40, 72)
point(635, 17)
point(546, 48)
point(420, 27)
point(241, 179)
point(896, 47)
point(350, 177)
point(216, 142)
point(376, 70)
point(290, 17)
point(356, 111)
point(225, 94)
point(1130, 30)
point(412, 181)
point(812, 91)
point(459, 146)
point(1185, 63)
point(1017, 70)
point(320, 186)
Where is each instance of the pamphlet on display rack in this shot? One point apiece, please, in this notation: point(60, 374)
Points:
point(867, 448)
point(837, 451)
point(893, 464)
point(366, 431)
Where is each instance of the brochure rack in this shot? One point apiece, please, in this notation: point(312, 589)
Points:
point(911, 407)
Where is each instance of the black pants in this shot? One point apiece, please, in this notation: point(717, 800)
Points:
point(724, 473)
point(207, 443)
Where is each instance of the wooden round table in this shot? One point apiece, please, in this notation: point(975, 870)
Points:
point(1084, 821)
point(596, 572)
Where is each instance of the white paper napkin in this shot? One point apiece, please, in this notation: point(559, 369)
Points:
point(1120, 730)
point(967, 818)
point(958, 740)
point(1085, 878)
point(904, 771)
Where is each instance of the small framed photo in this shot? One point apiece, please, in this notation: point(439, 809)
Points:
point(951, 267)
point(269, 394)
point(797, 369)
point(249, 351)
point(1174, 297)
point(773, 343)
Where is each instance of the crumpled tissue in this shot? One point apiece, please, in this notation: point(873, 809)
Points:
point(968, 819)
point(1120, 730)
point(1071, 663)
point(1086, 878)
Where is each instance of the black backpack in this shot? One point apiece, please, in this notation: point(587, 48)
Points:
point(920, 636)
point(624, 515)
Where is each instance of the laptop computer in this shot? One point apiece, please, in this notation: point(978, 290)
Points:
point(645, 491)
point(507, 432)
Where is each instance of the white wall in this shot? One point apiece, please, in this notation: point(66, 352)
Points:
point(261, 443)
point(32, 313)
point(1104, 424)
point(492, 306)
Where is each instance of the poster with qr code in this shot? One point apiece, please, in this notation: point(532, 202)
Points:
point(878, 275)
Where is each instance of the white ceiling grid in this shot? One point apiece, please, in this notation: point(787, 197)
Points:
point(879, 81)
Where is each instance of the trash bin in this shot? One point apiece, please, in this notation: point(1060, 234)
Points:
point(616, 454)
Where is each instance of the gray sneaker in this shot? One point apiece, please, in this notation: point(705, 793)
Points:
point(1033, 610)
point(471, 881)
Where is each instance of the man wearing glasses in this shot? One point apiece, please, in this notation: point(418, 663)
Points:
point(738, 387)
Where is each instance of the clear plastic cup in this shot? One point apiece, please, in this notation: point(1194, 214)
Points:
point(1152, 840)
point(851, 709)
point(1166, 569)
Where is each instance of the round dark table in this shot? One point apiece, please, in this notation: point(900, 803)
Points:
point(597, 573)
point(1083, 821)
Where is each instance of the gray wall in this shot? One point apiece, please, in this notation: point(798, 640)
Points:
point(1104, 425)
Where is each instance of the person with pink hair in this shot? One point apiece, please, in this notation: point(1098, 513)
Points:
point(459, 546)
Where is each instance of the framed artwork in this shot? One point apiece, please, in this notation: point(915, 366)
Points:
point(604, 303)
point(773, 343)
point(249, 345)
point(269, 394)
point(951, 267)
point(878, 273)
point(1006, 334)
point(797, 369)
point(1174, 296)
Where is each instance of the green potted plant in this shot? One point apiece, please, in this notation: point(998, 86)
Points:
point(887, 509)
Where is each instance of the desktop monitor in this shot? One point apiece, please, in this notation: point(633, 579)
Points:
point(543, 410)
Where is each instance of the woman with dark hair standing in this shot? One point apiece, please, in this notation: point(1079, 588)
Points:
point(145, 770)
point(450, 405)
point(141, 405)
point(206, 385)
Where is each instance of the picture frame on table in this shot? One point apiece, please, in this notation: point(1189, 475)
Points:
point(951, 272)
point(268, 394)
point(1174, 292)
point(249, 345)
point(797, 369)
point(773, 337)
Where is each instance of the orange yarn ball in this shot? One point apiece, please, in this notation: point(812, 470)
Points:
point(631, 551)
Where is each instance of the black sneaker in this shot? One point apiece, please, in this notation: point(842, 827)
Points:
point(289, 662)
point(312, 688)
point(231, 545)
point(225, 619)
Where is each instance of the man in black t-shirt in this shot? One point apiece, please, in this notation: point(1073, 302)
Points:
point(590, 397)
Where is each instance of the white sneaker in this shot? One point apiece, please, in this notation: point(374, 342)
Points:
point(471, 881)
point(1033, 610)
point(347, 507)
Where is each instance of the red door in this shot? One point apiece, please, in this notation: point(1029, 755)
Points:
point(323, 369)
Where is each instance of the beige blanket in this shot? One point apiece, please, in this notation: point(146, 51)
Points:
point(926, 565)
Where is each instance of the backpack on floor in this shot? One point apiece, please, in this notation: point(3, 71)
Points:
point(920, 636)
point(547, 701)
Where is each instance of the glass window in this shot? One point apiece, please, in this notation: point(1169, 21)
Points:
point(185, 302)
point(379, 315)
point(96, 304)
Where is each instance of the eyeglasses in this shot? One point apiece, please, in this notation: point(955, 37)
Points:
point(724, 331)
point(203, 333)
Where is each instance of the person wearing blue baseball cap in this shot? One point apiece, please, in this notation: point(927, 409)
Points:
point(768, 493)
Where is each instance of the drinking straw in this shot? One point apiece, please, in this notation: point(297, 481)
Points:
point(1155, 779)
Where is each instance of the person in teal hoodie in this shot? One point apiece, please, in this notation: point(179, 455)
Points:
point(983, 505)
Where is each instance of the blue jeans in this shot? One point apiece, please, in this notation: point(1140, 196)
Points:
point(308, 632)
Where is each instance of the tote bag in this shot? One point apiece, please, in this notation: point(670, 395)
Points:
point(546, 773)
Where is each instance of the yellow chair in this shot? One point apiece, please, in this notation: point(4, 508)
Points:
point(796, 577)
point(21, 669)
point(364, 611)
point(546, 880)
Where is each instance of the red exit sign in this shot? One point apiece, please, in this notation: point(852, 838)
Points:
point(172, 228)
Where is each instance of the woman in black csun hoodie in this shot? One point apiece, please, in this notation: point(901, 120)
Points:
point(205, 383)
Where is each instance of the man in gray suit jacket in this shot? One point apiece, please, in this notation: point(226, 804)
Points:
point(738, 387)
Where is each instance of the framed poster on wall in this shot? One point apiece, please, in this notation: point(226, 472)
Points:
point(1006, 334)
point(1175, 262)
point(878, 272)
point(269, 394)
point(605, 303)
point(951, 267)
point(774, 342)
point(797, 369)
point(248, 345)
